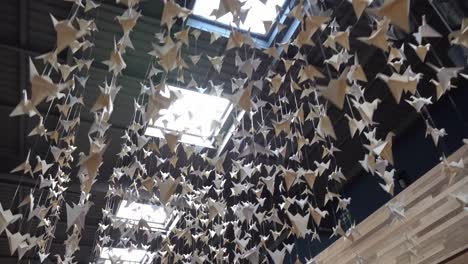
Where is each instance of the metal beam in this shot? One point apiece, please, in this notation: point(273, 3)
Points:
point(31, 257)
point(82, 120)
point(32, 53)
point(23, 10)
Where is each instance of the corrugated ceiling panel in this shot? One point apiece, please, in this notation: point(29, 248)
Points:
point(9, 77)
point(8, 21)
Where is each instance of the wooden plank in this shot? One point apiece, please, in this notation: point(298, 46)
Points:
point(461, 258)
point(435, 227)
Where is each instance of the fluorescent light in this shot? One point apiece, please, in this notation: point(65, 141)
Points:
point(126, 255)
point(156, 216)
point(198, 117)
point(258, 13)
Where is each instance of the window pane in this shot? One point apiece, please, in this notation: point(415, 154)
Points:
point(258, 13)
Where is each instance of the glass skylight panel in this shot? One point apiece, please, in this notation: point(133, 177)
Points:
point(125, 255)
point(156, 216)
point(198, 117)
point(258, 13)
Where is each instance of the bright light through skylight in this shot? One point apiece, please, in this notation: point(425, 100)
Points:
point(258, 13)
point(199, 117)
point(155, 215)
point(125, 255)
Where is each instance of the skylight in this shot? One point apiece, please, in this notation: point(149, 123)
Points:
point(156, 216)
point(258, 13)
point(124, 255)
point(198, 117)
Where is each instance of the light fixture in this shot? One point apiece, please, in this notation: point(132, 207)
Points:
point(124, 256)
point(258, 13)
point(155, 216)
point(198, 117)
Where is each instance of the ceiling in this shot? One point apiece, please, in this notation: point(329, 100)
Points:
point(27, 31)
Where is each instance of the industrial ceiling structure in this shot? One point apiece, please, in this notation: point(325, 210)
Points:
point(246, 139)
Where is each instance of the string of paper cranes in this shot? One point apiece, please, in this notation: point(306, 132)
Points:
point(261, 190)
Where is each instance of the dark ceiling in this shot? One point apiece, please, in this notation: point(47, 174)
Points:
point(26, 31)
